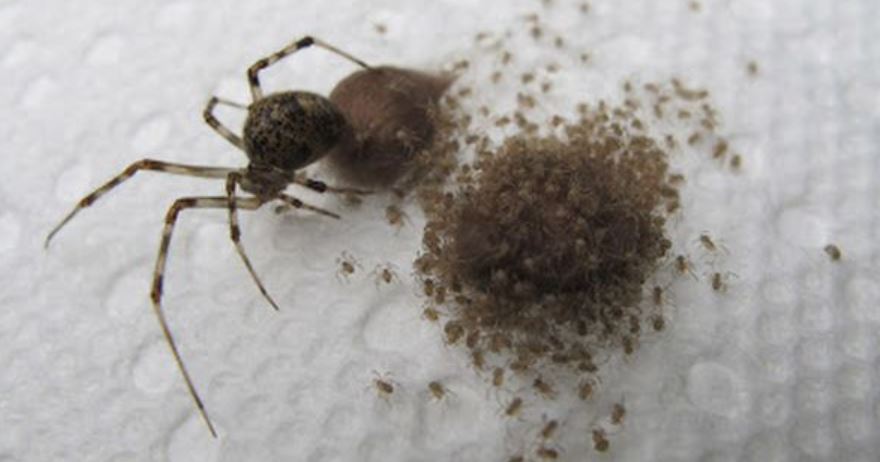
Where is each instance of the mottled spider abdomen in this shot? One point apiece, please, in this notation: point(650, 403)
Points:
point(290, 130)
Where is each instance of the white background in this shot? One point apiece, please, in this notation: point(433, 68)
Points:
point(784, 366)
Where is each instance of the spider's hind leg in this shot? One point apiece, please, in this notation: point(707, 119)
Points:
point(290, 201)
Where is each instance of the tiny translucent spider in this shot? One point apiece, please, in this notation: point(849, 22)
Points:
point(283, 133)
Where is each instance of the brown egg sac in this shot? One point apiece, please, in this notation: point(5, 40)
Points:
point(390, 111)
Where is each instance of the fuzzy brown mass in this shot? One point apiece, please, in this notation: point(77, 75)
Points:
point(555, 239)
point(389, 110)
point(549, 219)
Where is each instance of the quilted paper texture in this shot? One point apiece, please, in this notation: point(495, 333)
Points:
point(782, 366)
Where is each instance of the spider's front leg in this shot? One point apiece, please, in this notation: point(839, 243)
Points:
point(143, 164)
point(305, 42)
point(218, 127)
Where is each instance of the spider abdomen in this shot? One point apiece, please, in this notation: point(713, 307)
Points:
point(290, 130)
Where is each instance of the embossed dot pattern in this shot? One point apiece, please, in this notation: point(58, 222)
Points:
point(10, 232)
point(783, 366)
point(150, 134)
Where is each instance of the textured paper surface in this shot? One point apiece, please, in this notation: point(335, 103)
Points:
point(784, 366)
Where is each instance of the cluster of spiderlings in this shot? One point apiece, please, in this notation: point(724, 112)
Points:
point(675, 104)
point(546, 252)
point(548, 247)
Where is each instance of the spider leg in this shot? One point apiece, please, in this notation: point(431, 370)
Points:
point(307, 41)
point(320, 186)
point(229, 102)
point(143, 164)
point(159, 273)
point(235, 234)
point(208, 114)
point(290, 201)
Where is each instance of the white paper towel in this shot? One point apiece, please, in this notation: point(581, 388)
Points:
point(784, 366)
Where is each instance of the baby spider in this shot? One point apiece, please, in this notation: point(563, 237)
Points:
point(618, 412)
point(544, 388)
point(283, 133)
point(658, 322)
point(347, 265)
point(498, 377)
point(586, 388)
point(600, 440)
point(454, 331)
point(384, 385)
point(684, 266)
point(431, 314)
point(428, 287)
point(546, 453)
point(439, 391)
point(396, 217)
point(710, 245)
point(833, 252)
point(549, 429)
point(385, 273)
point(719, 281)
point(657, 296)
point(629, 344)
point(514, 407)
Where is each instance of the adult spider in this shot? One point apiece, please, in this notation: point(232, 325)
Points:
point(283, 133)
